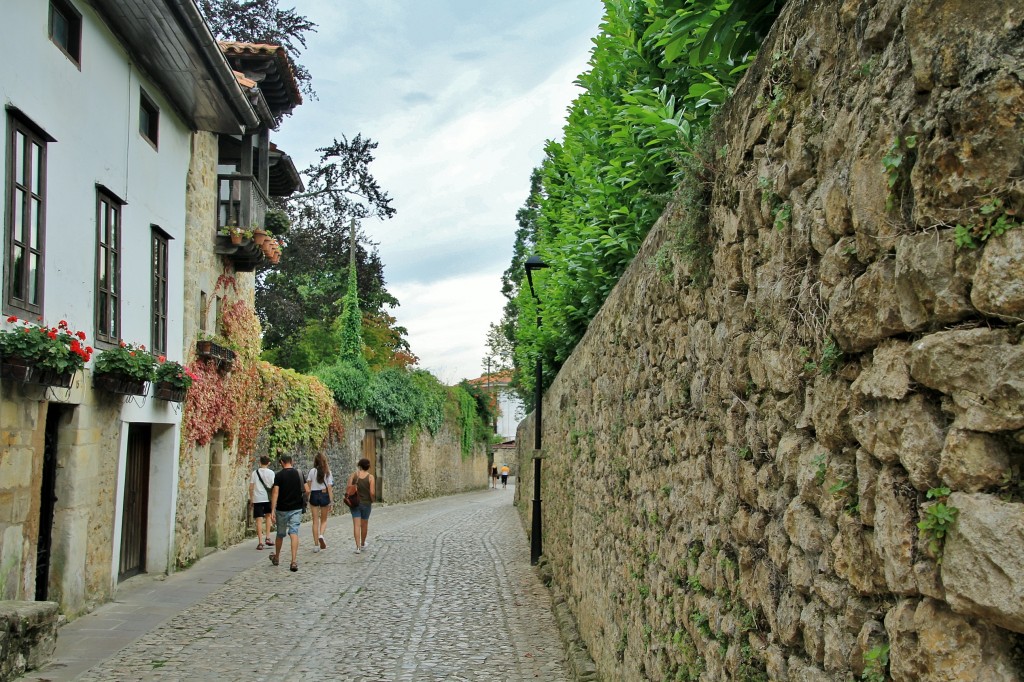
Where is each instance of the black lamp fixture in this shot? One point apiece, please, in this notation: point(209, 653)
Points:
point(533, 263)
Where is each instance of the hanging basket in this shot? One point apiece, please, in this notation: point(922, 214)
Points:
point(119, 384)
point(169, 392)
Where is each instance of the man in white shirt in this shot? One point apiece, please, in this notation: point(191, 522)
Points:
point(260, 483)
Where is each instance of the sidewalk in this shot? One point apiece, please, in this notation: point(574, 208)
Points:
point(144, 603)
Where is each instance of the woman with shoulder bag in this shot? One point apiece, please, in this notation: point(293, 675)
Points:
point(362, 479)
point(319, 485)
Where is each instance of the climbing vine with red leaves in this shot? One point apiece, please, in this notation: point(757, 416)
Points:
point(255, 394)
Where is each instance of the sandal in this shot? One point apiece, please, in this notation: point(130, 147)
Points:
point(259, 546)
point(273, 559)
point(294, 567)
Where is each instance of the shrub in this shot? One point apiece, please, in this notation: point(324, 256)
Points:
point(347, 382)
point(393, 399)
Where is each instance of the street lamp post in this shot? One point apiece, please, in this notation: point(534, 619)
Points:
point(536, 538)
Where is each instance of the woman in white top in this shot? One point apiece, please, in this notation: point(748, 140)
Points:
point(319, 484)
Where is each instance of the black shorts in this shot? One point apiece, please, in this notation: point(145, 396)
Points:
point(320, 498)
point(504, 478)
point(260, 509)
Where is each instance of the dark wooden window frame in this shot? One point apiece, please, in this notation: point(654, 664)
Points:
point(108, 260)
point(160, 251)
point(73, 49)
point(24, 135)
point(151, 132)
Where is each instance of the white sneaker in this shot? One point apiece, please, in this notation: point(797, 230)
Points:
point(358, 551)
point(316, 549)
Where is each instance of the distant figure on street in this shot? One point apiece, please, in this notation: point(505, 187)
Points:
point(286, 509)
point(494, 476)
point(319, 485)
point(363, 480)
point(259, 500)
point(504, 475)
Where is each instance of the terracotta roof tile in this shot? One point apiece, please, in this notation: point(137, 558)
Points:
point(235, 48)
point(243, 81)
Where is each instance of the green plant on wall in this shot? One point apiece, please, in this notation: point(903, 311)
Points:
point(893, 166)
point(937, 518)
point(876, 664)
point(991, 219)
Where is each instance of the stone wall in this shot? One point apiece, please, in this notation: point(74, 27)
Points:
point(28, 636)
point(88, 434)
point(409, 468)
point(734, 475)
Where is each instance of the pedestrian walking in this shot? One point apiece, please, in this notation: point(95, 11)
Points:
point(259, 500)
point(286, 510)
point(504, 475)
point(363, 480)
point(494, 476)
point(319, 486)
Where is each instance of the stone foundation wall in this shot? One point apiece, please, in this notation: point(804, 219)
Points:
point(28, 636)
point(734, 475)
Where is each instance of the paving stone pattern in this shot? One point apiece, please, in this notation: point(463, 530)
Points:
point(444, 592)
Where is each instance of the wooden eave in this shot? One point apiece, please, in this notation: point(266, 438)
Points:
point(171, 43)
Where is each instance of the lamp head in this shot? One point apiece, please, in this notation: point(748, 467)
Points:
point(532, 263)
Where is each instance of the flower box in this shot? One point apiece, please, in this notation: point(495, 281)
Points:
point(169, 392)
point(118, 383)
point(49, 377)
point(16, 369)
point(221, 355)
point(27, 372)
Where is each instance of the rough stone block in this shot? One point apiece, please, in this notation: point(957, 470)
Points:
point(930, 643)
point(888, 375)
point(30, 636)
point(972, 461)
point(929, 286)
point(856, 557)
point(998, 287)
point(896, 530)
point(983, 560)
point(981, 369)
point(868, 311)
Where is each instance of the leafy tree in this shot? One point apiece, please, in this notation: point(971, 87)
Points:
point(384, 342)
point(299, 299)
point(658, 71)
point(262, 21)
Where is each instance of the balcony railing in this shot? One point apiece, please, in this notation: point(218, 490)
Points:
point(241, 201)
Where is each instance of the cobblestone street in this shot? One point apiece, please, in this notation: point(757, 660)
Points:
point(444, 592)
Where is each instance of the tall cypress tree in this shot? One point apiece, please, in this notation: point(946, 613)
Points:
point(351, 316)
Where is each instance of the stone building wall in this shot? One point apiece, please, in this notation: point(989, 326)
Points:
point(734, 475)
point(212, 488)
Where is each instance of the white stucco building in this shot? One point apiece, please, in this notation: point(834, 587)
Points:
point(101, 100)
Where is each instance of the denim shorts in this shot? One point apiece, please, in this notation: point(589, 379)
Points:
point(361, 511)
point(288, 522)
point(320, 498)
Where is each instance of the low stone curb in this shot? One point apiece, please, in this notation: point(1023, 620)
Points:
point(577, 657)
point(28, 636)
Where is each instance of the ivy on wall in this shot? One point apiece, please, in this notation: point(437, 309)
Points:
point(255, 395)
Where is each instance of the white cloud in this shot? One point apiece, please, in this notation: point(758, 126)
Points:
point(447, 321)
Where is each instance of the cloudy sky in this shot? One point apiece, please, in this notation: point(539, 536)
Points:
point(461, 96)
